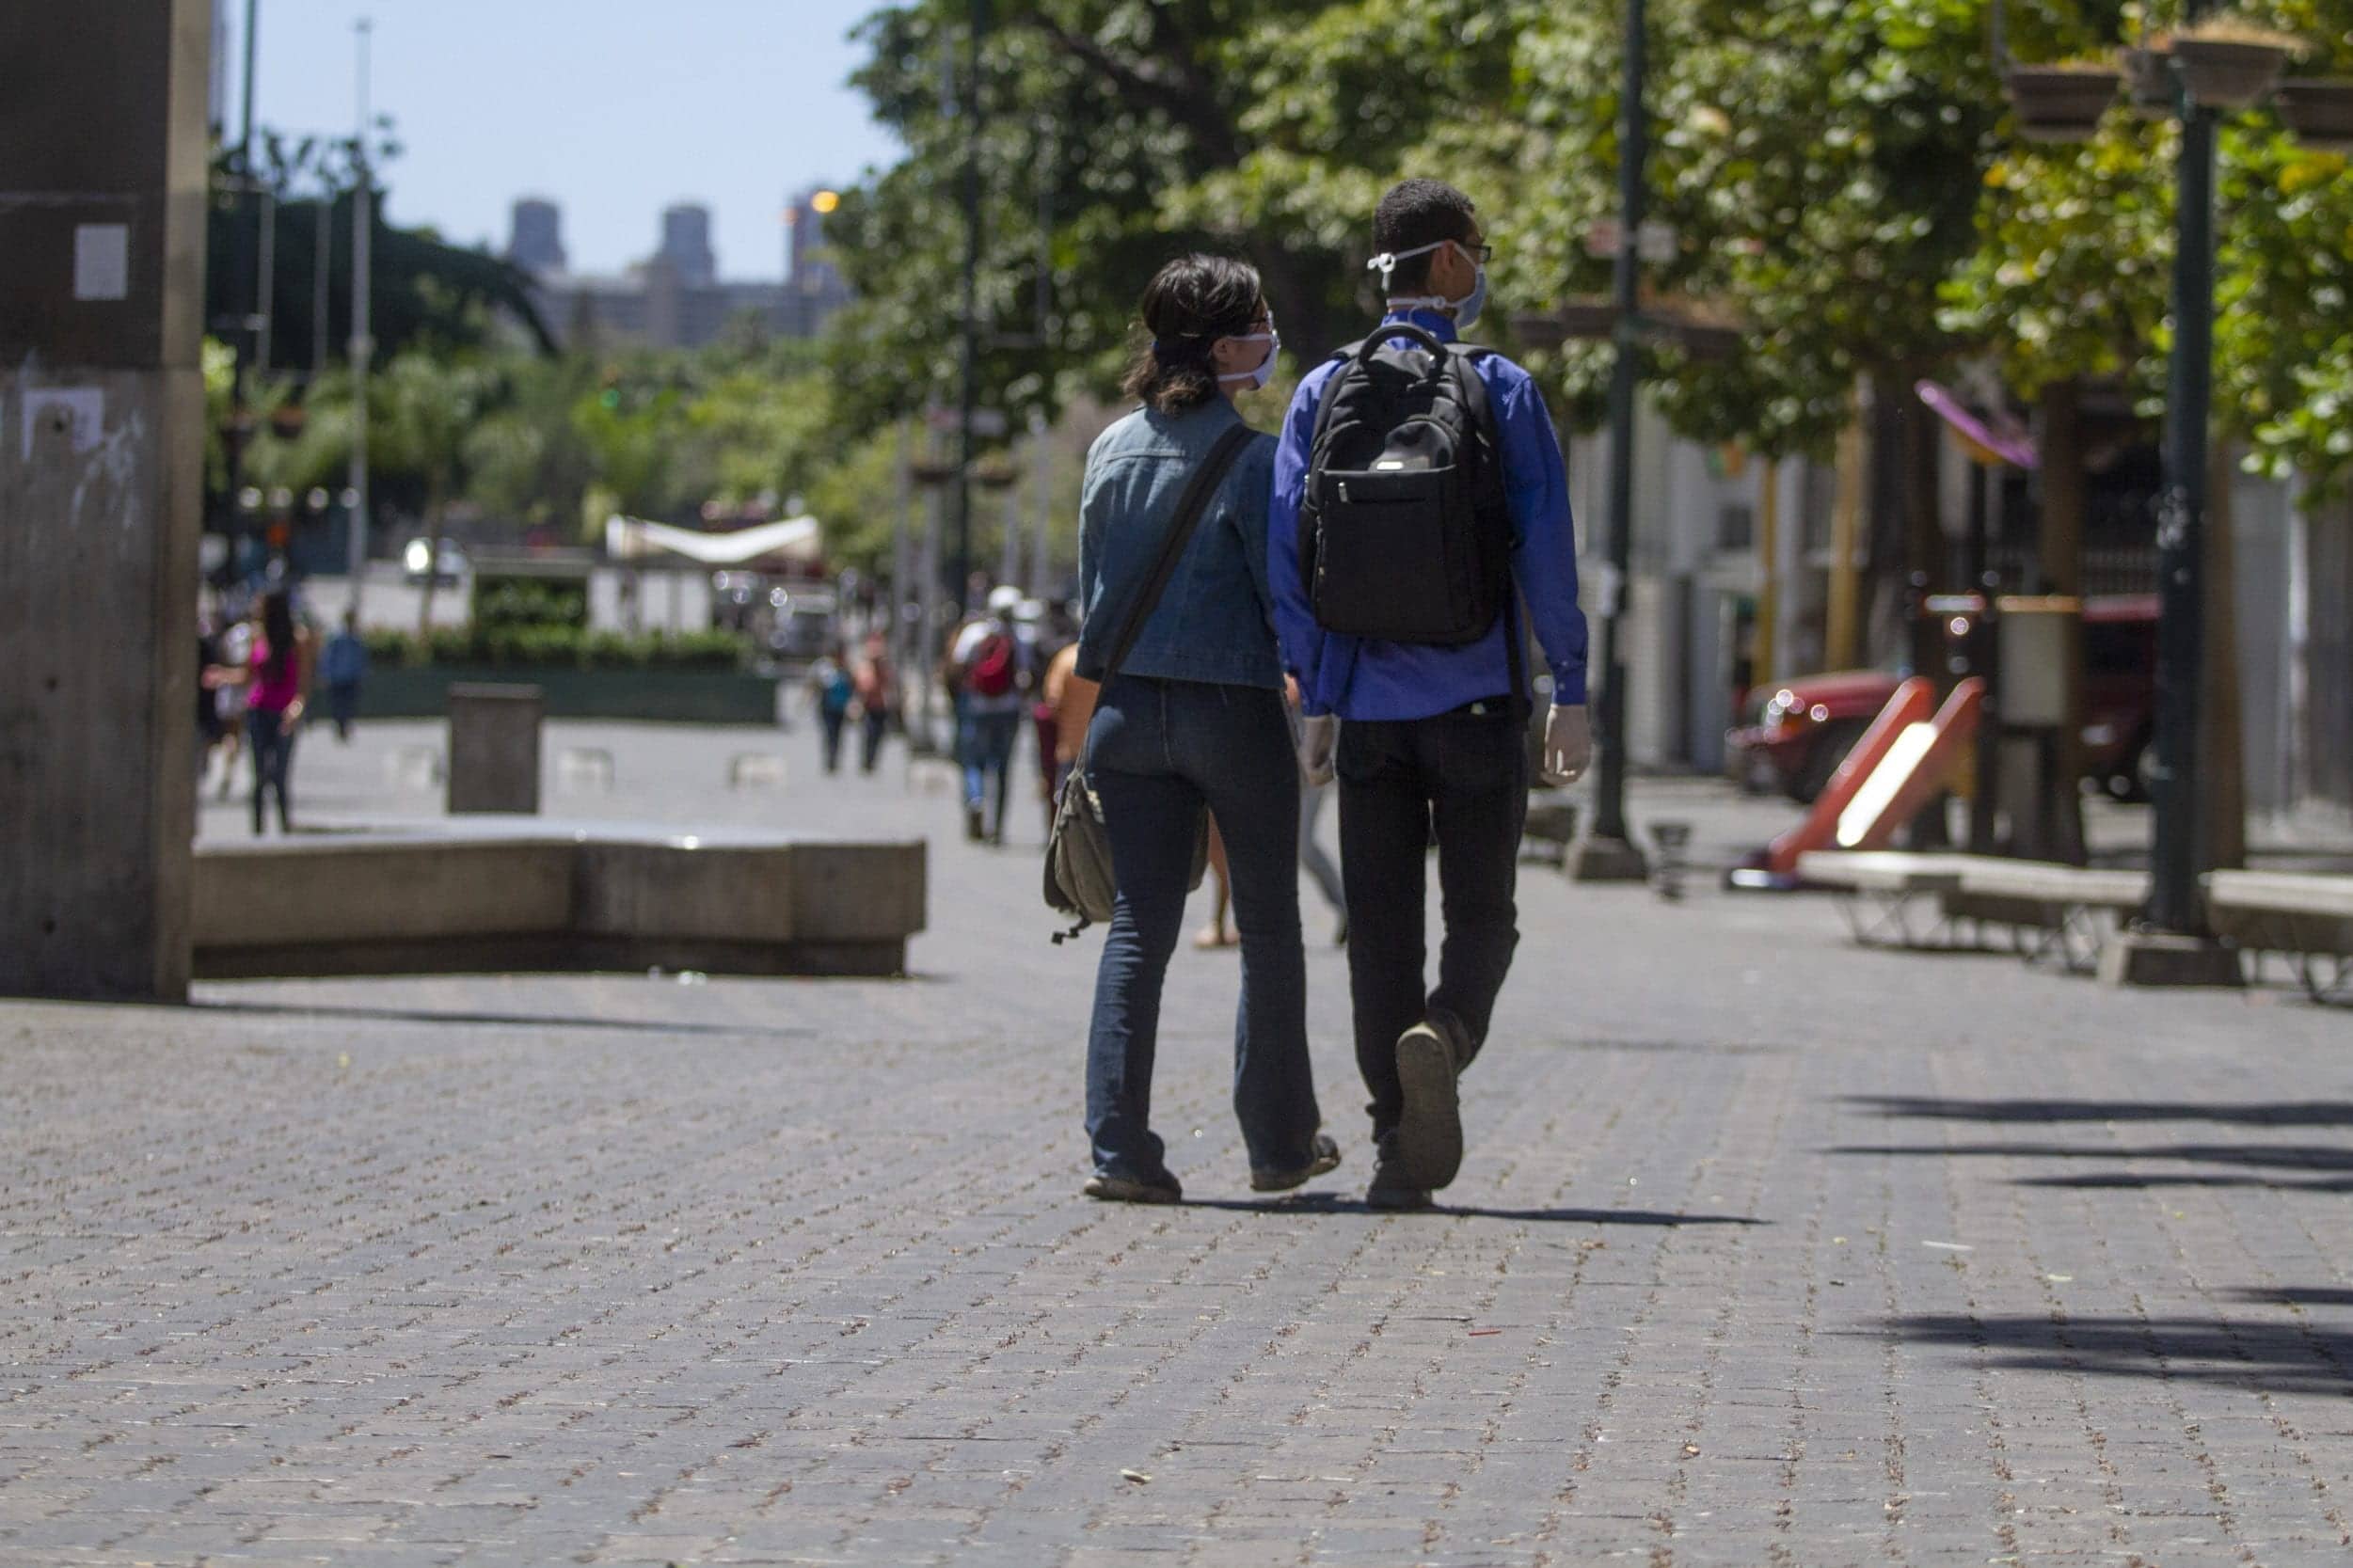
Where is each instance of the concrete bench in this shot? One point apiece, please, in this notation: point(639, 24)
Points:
point(2306, 915)
point(1884, 892)
point(458, 898)
point(2052, 911)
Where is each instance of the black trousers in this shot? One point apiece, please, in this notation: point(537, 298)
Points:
point(1461, 778)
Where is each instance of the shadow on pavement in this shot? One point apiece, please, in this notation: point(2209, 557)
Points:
point(1323, 1203)
point(2289, 1113)
point(2300, 1295)
point(2292, 1357)
point(2320, 1158)
point(530, 1020)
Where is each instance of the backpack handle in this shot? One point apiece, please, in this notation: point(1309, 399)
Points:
point(1391, 330)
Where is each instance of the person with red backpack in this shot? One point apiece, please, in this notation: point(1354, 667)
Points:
point(990, 668)
point(1420, 500)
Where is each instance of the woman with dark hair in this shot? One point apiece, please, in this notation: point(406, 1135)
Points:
point(1191, 720)
point(276, 674)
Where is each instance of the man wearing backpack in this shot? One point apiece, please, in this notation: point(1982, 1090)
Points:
point(991, 671)
point(1419, 529)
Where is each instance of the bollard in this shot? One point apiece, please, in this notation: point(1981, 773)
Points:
point(494, 748)
point(1674, 840)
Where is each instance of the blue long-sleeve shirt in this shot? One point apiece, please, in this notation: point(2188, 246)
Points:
point(1368, 679)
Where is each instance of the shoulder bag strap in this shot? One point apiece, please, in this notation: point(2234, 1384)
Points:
point(1190, 506)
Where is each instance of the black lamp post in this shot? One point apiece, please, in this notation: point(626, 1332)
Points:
point(2172, 944)
point(2176, 904)
point(1608, 851)
point(968, 385)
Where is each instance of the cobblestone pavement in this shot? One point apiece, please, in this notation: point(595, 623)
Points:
point(1765, 1251)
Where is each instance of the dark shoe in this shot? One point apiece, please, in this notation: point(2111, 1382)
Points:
point(1161, 1188)
point(973, 825)
point(1326, 1159)
point(1391, 1188)
point(1430, 1057)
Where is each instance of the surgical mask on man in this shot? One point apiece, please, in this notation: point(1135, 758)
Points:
point(1466, 309)
point(1266, 371)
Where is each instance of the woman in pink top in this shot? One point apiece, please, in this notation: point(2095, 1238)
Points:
point(275, 676)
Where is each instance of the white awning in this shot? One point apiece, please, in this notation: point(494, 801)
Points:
point(791, 539)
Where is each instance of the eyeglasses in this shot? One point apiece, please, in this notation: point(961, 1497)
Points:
point(1481, 253)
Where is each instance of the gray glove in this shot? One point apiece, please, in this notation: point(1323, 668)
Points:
point(1318, 739)
point(1567, 745)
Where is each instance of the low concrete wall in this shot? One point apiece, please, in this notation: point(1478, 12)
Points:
point(471, 902)
point(678, 696)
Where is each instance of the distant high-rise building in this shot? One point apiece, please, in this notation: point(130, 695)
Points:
point(536, 239)
point(686, 243)
point(812, 279)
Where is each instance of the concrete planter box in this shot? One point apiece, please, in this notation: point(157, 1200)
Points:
point(681, 696)
point(485, 898)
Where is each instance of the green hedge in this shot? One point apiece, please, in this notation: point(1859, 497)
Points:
point(553, 647)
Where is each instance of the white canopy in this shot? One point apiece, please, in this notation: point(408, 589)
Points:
point(635, 539)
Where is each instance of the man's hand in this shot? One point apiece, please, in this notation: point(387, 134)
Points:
point(1567, 745)
point(1318, 739)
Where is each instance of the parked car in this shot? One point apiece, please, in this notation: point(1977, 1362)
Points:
point(449, 568)
point(1796, 732)
point(806, 622)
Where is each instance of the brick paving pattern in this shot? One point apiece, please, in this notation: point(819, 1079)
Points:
point(1765, 1251)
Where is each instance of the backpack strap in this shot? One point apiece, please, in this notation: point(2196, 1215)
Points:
point(1190, 506)
point(1464, 360)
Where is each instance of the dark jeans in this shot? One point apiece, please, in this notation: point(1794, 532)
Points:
point(877, 726)
point(342, 705)
point(273, 760)
point(987, 744)
point(1464, 778)
point(1157, 752)
point(832, 720)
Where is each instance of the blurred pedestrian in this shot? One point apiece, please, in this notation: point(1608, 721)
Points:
point(876, 683)
point(1190, 720)
point(1425, 667)
point(831, 690)
point(233, 652)
point(275, 674)
point(1071, 698)
point(990, 672)
point(344, 665)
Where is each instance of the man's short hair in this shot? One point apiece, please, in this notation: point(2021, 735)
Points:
point(1415, 213)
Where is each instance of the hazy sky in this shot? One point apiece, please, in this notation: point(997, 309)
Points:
point(614, 108)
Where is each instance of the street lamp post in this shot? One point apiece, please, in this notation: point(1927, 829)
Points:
point(363, 345)
point(968, 389)
point(1607, 852)
point(2173, 944)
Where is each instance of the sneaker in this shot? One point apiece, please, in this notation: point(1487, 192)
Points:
point(1161, 1188)
point(1323, 1158)
point(975, 829)
point(1430, 1057)
point(1391, 1188)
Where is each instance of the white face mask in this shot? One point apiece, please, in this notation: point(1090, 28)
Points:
point(1266, 371)
point(1466, 309)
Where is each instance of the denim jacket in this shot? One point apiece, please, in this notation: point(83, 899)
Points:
point(1216, 620)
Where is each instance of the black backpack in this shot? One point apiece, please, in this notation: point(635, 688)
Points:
point(1405, 535)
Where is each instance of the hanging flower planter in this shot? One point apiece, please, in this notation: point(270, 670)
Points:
point(2231, 71)
point(2061, 103)
point(1589, 319)
point(1706, 341)
point(1576, 320)
point(2320, 111)
point(2148, 77)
